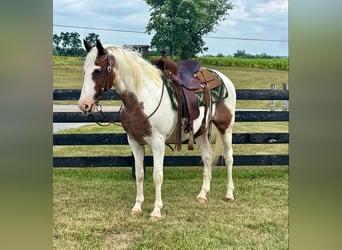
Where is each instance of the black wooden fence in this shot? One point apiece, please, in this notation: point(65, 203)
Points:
point(121, 139)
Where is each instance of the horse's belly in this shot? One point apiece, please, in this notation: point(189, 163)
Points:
point(171, 139)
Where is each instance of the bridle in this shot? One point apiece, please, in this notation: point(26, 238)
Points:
point(109, 78)
point(106, 85)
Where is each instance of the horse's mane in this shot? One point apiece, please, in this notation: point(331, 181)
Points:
point(128, 61)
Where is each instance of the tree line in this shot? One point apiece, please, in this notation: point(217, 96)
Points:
point(243, 54)
point(70, 44)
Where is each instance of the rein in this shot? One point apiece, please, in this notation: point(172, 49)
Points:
point(105, 116)
point(103, 89)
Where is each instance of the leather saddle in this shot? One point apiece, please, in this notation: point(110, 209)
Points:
point(185, 74)
point(188, 78)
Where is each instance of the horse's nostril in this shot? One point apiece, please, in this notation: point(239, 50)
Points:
point(86, 107)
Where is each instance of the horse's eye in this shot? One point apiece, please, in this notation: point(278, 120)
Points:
point(97, 71)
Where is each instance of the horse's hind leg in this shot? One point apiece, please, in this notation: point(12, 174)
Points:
point(207, 158)
point(228, 157)
point(224, 121)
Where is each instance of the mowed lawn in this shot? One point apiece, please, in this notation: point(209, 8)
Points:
point(91, 207)
point(91, 210)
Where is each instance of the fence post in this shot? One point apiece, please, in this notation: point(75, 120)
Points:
point(285, 102)
point(273, 102)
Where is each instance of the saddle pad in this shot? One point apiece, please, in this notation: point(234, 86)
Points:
point(217, 94)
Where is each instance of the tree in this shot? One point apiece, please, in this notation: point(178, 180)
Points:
point(70, 42)
point(75, 43)
point(240, 53)
point(65, 40)
point(57, 40)
point(180, 24)
point(91, 38)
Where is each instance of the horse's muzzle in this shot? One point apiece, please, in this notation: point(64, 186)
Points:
point(86, 107)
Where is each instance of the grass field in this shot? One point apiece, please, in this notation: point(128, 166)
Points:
point(91, 210)
point(91, 206)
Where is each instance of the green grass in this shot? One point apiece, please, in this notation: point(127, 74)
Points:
point(91, 210)
point(67, 72)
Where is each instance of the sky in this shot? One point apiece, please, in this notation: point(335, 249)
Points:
point(255, 26)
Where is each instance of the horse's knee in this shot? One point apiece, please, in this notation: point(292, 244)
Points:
point(158, 177)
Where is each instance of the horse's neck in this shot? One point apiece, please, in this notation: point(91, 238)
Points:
point(128, 83)
point(125, 83)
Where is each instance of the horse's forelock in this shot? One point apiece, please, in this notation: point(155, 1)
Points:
point(90, 59)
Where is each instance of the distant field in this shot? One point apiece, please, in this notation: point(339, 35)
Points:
point(68, 74)
point(275, 63)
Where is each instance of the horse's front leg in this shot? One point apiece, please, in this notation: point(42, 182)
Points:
point(158, 149)
point(138, 153)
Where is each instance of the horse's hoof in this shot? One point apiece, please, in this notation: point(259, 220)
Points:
point(136, 213)
point(227, 199)
point(155, 218)
point(201, 200)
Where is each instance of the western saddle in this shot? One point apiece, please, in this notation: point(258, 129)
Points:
point(188, 78)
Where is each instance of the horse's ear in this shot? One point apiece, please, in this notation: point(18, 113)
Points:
point(99, 47)
point(87, 45)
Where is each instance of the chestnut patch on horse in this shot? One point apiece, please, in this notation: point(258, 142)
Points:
point(104, 76)
point(133, 119)
point(99, 77)
point(222, 117)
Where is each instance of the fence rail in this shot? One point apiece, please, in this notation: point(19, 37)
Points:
point(241, 94)
point(121, 139)
point(240, 116)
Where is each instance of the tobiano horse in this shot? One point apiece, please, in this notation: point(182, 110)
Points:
point(148, 117)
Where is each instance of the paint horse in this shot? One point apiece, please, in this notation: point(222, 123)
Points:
point(149, 118)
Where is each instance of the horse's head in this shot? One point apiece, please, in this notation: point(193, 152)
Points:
point(99, 76)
